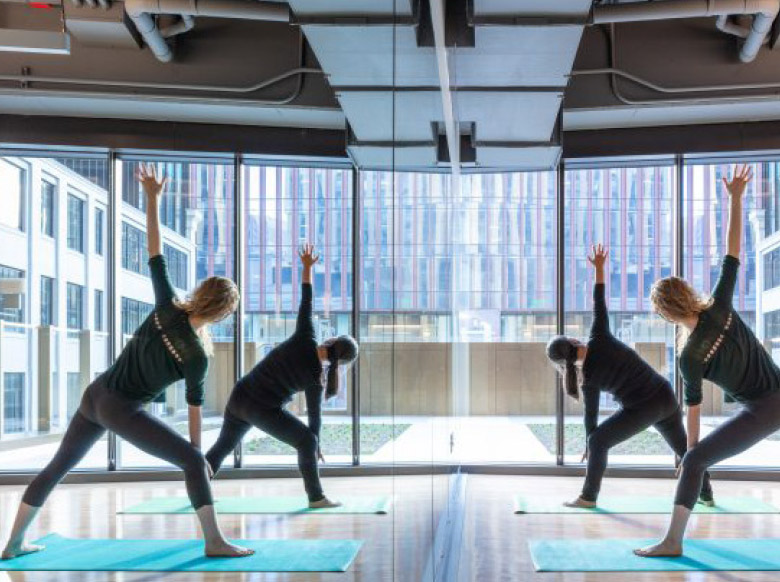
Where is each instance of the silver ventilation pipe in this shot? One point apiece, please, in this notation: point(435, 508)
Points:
point(141, 12)
point(764, 13)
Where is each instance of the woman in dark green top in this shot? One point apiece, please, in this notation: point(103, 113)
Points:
point(171, 344)
point(722, 349)
point(295, 365)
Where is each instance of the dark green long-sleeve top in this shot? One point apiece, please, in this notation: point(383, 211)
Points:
point(724, 350)
point(163, 350)
point(291, 367)
point(611, 366)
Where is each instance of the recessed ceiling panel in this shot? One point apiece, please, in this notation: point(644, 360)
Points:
point(517, 159)
point(508, 116)
point(532, 7)
point(396, 158)
point(382, 116)
point(371, 56)
point(409, 115)
point(350, 7)
point(518, 56)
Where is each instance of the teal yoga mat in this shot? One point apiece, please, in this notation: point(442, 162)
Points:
point(617, 556)
point(240, 505)
point(109, 555)
point(640, 504)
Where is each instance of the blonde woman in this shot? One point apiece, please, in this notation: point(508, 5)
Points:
point(170, 345)
point(716, 345)
point(608, 365)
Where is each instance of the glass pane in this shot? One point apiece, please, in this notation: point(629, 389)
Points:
point(50, 347)
point(286, 207)
point(630, 211)
point(705, 223)
point(406, 315)
point(196, 217)
point(503, 247)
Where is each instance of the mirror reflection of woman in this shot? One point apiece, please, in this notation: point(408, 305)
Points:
point(716, 345)
point(608, 365)
point(298, 364)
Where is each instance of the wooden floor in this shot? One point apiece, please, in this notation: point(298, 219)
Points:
point(397, 546)
point(496, 540)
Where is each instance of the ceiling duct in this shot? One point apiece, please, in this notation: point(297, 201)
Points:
point(764, 13)
point(142, 13)
point(107, 27)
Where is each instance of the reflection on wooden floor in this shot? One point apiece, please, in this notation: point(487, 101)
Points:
point(496, 539)
point(398, 545)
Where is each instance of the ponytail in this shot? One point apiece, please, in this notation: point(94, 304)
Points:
point(571, 381)
point(341, 350)
point(562, 351)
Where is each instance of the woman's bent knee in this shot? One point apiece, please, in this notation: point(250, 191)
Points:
point(695, 460)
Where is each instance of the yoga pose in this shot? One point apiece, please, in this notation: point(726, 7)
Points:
point(170, 345)
point(295, 365)
point(646, 398)
point(719, 347)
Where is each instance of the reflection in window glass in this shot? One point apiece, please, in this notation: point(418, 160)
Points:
point(75, 306)
point(98, 325)
point(11, 306)
point(47, 301)
point(628, 209)
point(177, 266)
point(99, 221)
point(13, 404)
point(75, 223)
point(48, 193)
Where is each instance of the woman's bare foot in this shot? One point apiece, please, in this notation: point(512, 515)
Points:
point(324, 503)
point(20, 550)
point(580, 502)
point(706, 499)
point(663, 549)
point(227, 550)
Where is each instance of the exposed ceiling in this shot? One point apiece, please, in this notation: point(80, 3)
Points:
point(376, 68)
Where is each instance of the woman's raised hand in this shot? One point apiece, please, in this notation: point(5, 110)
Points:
point(743, 174)
point(152, 183)
point(307, 255)
point(598, 256)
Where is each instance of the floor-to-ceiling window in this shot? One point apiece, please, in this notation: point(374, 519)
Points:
point(285, 207)
point(629, 209)
point(456, 292)
point(197, 220)
point(52, 338)
point(705, 223)
point(503, 248)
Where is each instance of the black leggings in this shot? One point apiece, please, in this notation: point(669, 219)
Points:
point(661, 411)
point(243, 412)
point(756, 421)
point(101, 409)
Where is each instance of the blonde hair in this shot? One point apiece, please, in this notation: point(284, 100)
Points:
point(212, 301)
point(674, 299)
